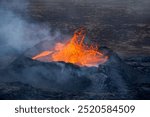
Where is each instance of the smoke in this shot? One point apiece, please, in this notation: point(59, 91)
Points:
point(18, 33)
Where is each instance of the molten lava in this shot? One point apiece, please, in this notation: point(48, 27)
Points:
point(75, 51)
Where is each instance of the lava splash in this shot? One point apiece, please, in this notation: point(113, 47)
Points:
point(74, 51)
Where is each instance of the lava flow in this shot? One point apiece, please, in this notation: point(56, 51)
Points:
point(75, 51)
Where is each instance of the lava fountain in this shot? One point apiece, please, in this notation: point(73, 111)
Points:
point(75, 51)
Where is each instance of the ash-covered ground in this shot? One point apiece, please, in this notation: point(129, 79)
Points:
point(30, 26)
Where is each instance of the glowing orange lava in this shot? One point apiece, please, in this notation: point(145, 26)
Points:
point(75, 51)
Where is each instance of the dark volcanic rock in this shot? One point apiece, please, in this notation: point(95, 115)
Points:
point(30, 79)
point(45, 75)
point(20, 91)
point(141, 63)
